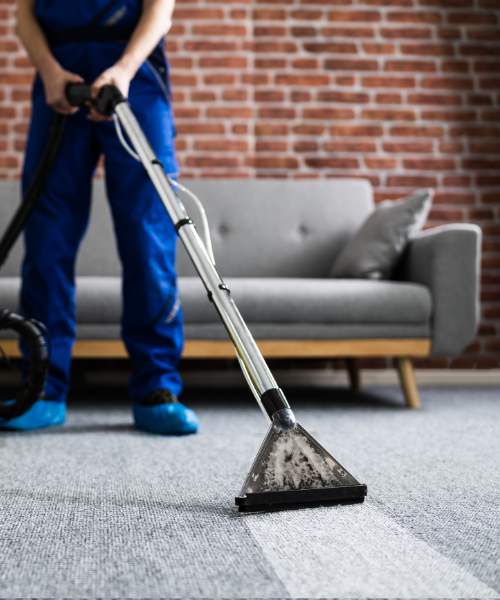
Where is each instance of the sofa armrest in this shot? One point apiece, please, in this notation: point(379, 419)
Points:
point(446, 259)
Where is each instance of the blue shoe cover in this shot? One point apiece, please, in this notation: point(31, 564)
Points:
point(174, 418)
point(44, 413)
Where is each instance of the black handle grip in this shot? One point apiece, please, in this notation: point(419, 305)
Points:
point(78, 93)
point(109, 96)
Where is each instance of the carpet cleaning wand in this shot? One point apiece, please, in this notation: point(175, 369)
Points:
point(291, 469)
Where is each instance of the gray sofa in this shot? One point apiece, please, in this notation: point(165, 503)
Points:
point(274, 243)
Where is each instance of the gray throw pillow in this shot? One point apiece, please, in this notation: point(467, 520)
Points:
point(374, 250)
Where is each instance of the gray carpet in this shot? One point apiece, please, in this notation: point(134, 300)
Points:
point(98, 509)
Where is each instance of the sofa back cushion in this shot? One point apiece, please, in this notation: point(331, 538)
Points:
point(265, 228)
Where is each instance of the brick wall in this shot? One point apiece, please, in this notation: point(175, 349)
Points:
point(403, 92)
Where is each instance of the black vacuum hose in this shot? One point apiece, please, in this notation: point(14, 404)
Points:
point(34, 388)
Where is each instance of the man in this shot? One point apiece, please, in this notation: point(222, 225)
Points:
point(116, 42)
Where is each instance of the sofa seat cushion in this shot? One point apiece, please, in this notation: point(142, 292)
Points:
point(264, 300)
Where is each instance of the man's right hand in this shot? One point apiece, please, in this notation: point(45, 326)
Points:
point(55, 82)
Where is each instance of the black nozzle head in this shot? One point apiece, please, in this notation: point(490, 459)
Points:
point(109, 97)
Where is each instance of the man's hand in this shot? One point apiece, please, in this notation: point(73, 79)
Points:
point(116, 75)
point(55, 82)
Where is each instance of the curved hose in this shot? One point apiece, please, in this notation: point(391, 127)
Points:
point(34, 388)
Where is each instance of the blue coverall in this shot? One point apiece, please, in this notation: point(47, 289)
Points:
point(152, 318)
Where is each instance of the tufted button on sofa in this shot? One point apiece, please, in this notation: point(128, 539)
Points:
point(275, 242)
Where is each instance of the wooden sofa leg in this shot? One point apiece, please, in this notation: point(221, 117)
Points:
point(354, 373)
point(408, 381)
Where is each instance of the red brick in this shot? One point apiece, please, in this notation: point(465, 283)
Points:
point(453, 198)
point(180, 144)
point(306, 80)
point(210, 46)
point(447, 83)
point(487, 180)
point(357, 16)
point(304, 32)
point(481, 163)
point(269, 31)
point(478, 100)
point(456, 180)
point(219, 29)
point(412, 181)
point(330, 48)
point(328, 113)
point(474, 18)
point(271, 175)
point(202, 96)
point(479, 50)
point(428, 49)
point(491, 246)
point(474, 362)
point(7, 112)
point(350, 97)
point(321, 162)
point(345, 80)
point(489, 147)
point(493, 229)
point(432, 18)
point(399, 147)
point(417, 131)
point(181, 62)
point(481, 66)
point(309, 129)
point(276, 113)
point(305, 63)
point(351, 65)
point(448, 3)
point(429, 164)
point(269, 95)
point(9, 46)
point(271, 129)
point(380, 163)
point(406, 32)
point(193, 14)
point(451, 147)
point(350, 146)
point(449, 34)
point(482, 34)
point(388, 82)
point(379, 48)
point(307, 15)
point(9, 162)
point(275, 47)
point(23, 62)
point(300, 96)
point(221, 145)
point(356, 130)
point(273, 162)
point(16, 78)
point(223, 62)
point(230, 112)
point(388, 115)
point(489, 4)
point(350, 32)
point(239, 128)
point(270, 63)
point(455, 66)
point(484, 84)
point(490, 197)
point(239, 14)
point(177, 29)
point(269, 15)
point(491, 115)
point(389, 98)
point(448, 115)
point(186, 112)
point(474, 131)
point(448, 216)
point(219, 79)
point(198, 128)
point(437, 99)
point(211, 161)
point(328, 2)
point(480, 214)
point(271, 146)
point(181, 80)
point(417, 66)
point(305, 146)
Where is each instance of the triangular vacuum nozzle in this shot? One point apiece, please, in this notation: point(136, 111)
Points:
point(293, 471)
